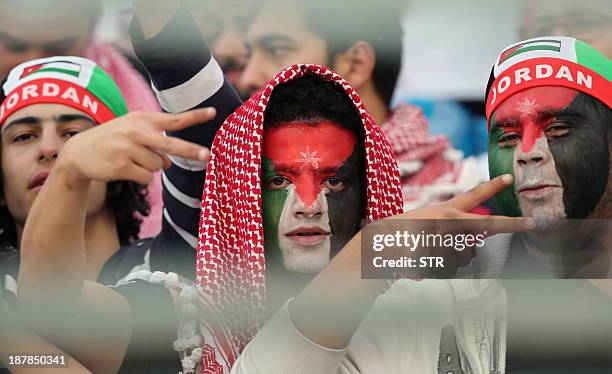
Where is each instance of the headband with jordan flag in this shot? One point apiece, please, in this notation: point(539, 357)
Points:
point(549, 61)
point(73, 81)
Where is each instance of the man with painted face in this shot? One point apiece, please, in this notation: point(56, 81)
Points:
point(312, 189)
point(541, 133)
point(305, 145)
point(549, 105)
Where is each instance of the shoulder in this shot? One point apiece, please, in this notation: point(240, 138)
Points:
point(127, 259)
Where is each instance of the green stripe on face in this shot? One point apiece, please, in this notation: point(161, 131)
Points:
point(501, 161)
point(273, 202)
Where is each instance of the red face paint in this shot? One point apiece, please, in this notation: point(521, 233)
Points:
point(307, 154)
point(525, 111)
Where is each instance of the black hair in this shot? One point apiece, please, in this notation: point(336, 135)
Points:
point(311, 98)
point(126, 199)
point(342, 23)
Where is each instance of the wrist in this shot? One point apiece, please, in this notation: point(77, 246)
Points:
point(70, 175)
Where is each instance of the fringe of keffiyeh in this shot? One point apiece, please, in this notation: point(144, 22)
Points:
point(188, 343)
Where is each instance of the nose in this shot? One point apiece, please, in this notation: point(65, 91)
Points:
point(50, 145)
point(535, 156)
point(315, 209)
point(253, 76)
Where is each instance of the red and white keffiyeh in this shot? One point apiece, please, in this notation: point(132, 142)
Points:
point(431, 170)
point(231, 271)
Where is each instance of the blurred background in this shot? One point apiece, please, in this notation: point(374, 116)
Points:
point(448, 46)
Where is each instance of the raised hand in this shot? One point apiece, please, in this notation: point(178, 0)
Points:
point(132, 147)
point(452, 217)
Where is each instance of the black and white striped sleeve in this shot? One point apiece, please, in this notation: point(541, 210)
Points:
point(185, 76)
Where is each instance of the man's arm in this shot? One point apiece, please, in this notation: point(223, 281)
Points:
point(18, 339)
point(322, 319)
point(184, 75)
point(86, 318)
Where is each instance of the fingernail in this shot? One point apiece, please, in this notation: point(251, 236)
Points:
point(204, 154)
point(211, 111)
point(507, 178)
point(530, 223)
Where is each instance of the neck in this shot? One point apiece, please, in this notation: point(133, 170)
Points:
point(573, 255)
point(373, 103)
point(281, 285)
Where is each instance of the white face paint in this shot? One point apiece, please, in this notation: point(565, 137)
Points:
point(538, 186)
point(304, 233)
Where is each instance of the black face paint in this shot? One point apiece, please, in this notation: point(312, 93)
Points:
point(344, 214)
point(582, 157)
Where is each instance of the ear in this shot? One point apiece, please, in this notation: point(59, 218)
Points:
point(356, 64)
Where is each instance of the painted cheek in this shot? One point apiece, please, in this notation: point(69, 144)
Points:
point(273, 202)
point(501, 162)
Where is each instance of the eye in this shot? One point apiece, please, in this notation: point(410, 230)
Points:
point(556, 130)
point(277, 183)
point(278, 51)
point(334, 184)
point(508, 139)
point(22, 138)
point(71, 133)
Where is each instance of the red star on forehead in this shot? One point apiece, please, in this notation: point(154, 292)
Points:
point(527, 106)
point(309, 158)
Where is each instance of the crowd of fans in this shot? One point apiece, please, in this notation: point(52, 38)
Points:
point(187, 193)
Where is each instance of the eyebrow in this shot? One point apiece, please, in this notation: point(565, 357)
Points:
point(286, 169)
point(328, 170)
point(508, 122)
point(61, 119)
point(63, 43)
point(543, 115)
point(11, 38)
point(266, 40)
point(29, 120)
point(65, 118)
point(546, 114)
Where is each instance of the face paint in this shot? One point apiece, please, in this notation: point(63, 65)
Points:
point(312, 192)
point(540, 138)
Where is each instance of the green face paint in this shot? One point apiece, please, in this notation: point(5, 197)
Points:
point(501, 161)
point(273, 202)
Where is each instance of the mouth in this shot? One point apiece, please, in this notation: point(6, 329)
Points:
point(39, 180)
point(308, 236)
point(537, 191)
